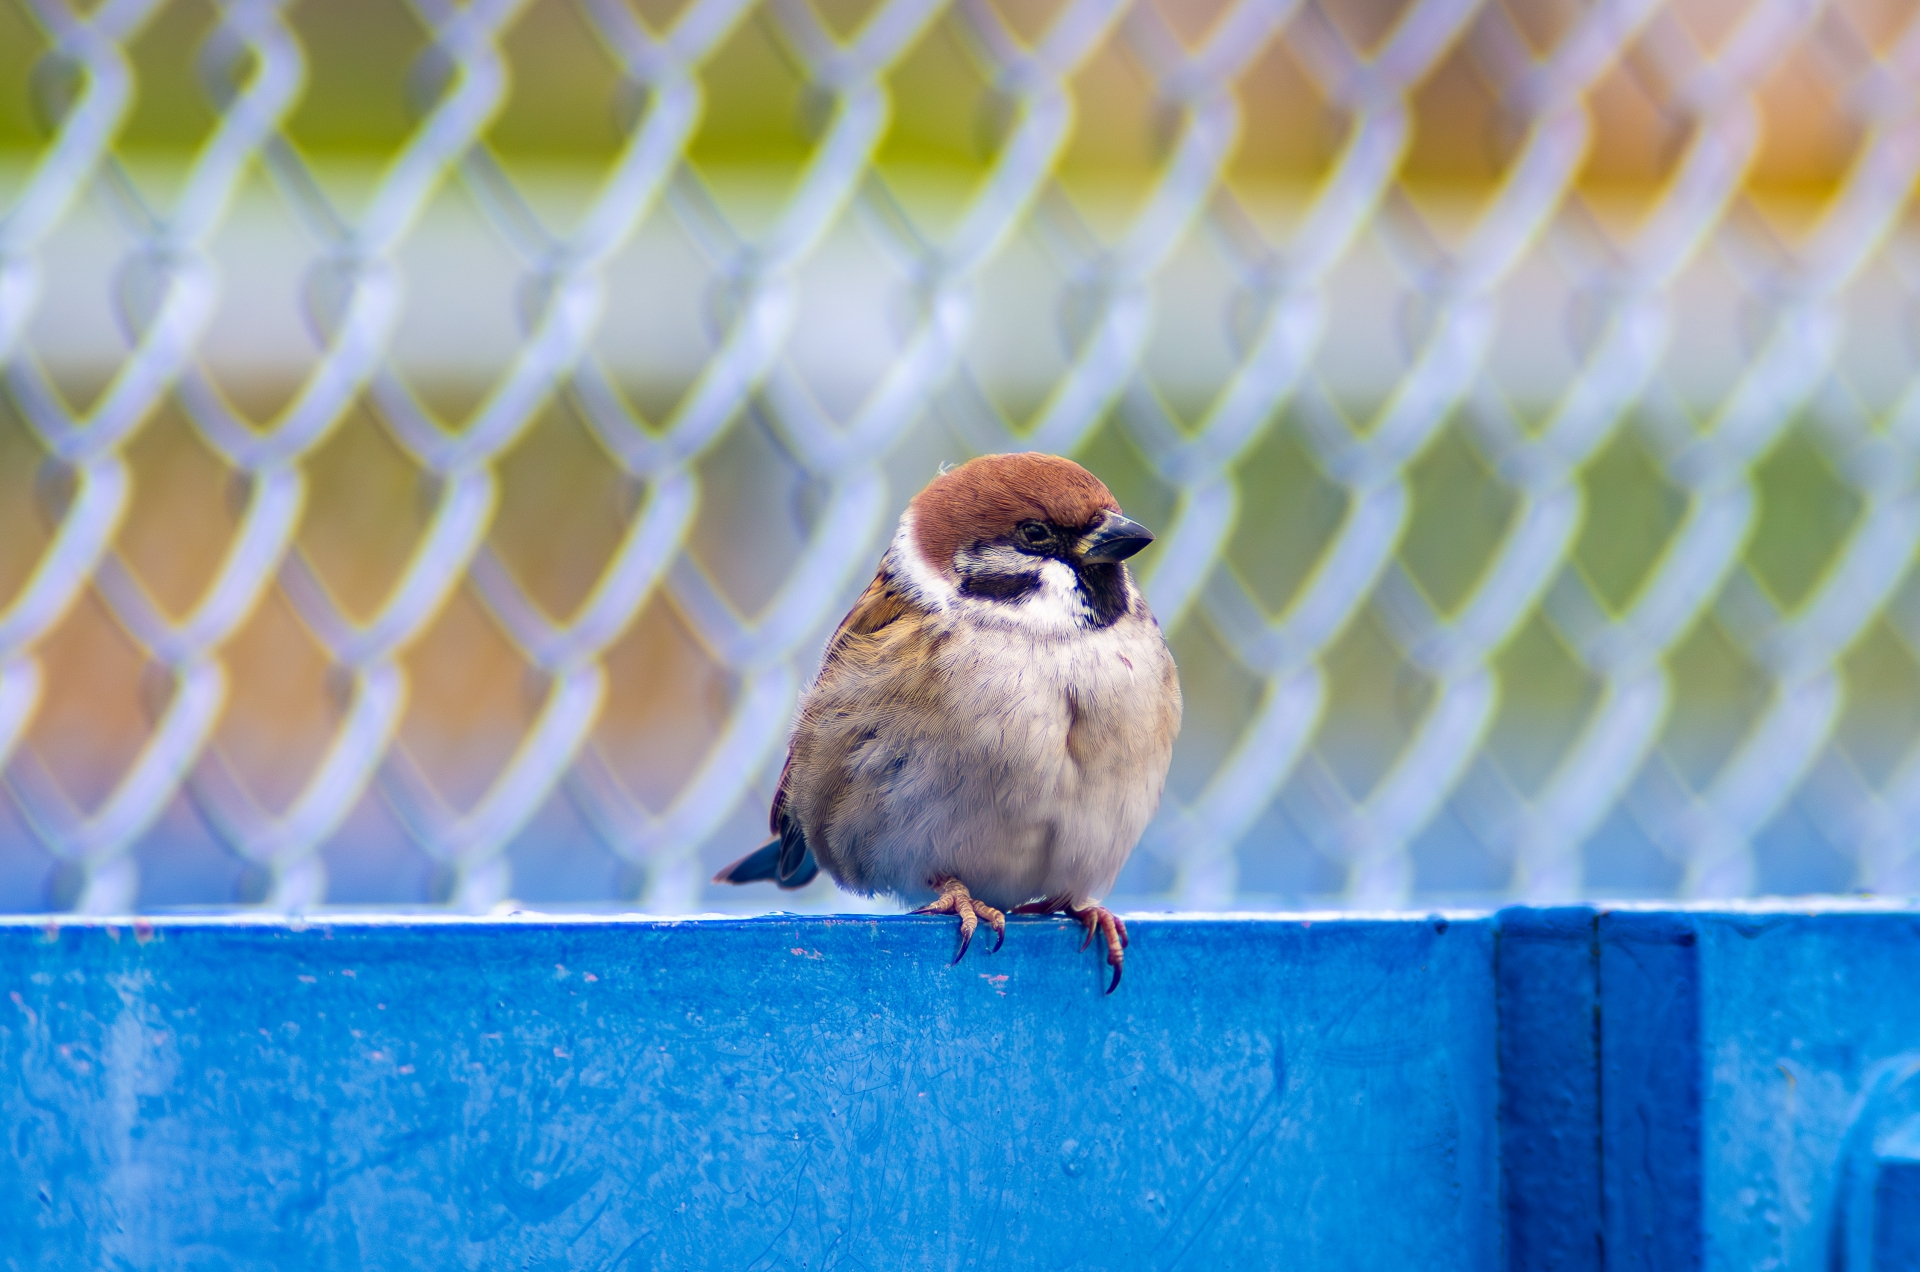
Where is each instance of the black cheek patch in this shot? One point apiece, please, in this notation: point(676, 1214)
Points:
point(1104, 587)
point(999, 587)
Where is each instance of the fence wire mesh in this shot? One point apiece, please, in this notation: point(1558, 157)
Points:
point(436, 439)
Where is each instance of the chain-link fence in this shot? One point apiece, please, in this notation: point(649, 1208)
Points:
point(435, 439)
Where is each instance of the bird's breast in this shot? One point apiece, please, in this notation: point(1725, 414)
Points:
point(1068, 708)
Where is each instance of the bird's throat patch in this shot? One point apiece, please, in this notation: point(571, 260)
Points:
point(1103, 585)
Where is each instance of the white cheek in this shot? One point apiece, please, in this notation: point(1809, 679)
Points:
point(905, 563)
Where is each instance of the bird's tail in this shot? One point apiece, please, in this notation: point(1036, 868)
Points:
point(785, 859)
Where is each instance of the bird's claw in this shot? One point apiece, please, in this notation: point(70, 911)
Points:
point(1099, 919)
point(956, 900)
point(1096, 919)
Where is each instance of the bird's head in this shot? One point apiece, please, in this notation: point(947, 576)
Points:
point(1036, 536)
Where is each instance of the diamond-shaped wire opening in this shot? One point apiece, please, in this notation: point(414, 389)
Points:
point(170, 115)
point(284, 702)
point(1460, 516)
point(1632, 511)
point(368, 504)
point(1192, 349)
point(1726, 326)
point(1542, 26)
point(668, 700)
point(1637, 142)
point(1367, 23)
point(1290, 514)
point(756, 507)
point(1281, 868)
point(1806, 516)
point(1543, 322)
point(466, 310)
point(1015, 358)
point(1454, 865)
point(659, 15)
point(28, 872)
point(844, 18)
point(1878, 725)
point(1192, 20)
point(1708, 22)
point(362, 58)
point(1810, 135)
point(1621, 860)
point(27, 516)
point(471, 698)
point(1121, 132)
point(24, 128)
point(567, 92)
point(186, 507)
point(856, 310)
point(1221, 697)
point(1291, 135)
point(1794, 854)
point(1871, 24)
point(260, 345)
point(1462, 141)
point(1546, 697)
point(661, 322)
point(371, 860)
point(755, 131)
point(1376, 698)
point(1875, 362)
point(181, 862)
point(564, 507)
point(99, 699)
point(76, 331)
point(1719, 693)
point(947, 125)
point(1029, 20)
point(1364, 349)
point(944, 105)
point(560, 860)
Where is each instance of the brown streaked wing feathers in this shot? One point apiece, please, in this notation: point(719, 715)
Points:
point(878, 606)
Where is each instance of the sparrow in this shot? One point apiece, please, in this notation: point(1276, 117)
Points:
point(992, 722)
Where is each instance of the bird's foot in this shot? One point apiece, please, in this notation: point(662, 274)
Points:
point(1096, 919)
point(955, 899)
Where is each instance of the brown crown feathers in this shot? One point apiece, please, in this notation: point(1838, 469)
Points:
point(986, 498)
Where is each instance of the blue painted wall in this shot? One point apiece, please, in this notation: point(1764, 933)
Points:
point(1552, 1089)
point(1811, 1037)
point(747, 1094)
point(1547, 977)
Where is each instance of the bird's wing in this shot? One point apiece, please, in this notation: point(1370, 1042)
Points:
point(878, 606)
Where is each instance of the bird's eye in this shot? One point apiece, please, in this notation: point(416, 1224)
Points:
point(1034, 534)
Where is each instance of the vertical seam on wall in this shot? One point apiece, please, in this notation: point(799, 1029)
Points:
point(1598, 1026)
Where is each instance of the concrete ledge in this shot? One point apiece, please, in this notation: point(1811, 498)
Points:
point(1534, 1089)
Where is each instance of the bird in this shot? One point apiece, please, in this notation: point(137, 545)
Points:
point(992, 723)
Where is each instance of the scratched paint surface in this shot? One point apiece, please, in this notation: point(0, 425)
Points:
point(1812, 1032)
point(775, 1093)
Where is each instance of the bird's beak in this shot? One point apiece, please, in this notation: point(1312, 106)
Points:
point(1117, 539)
